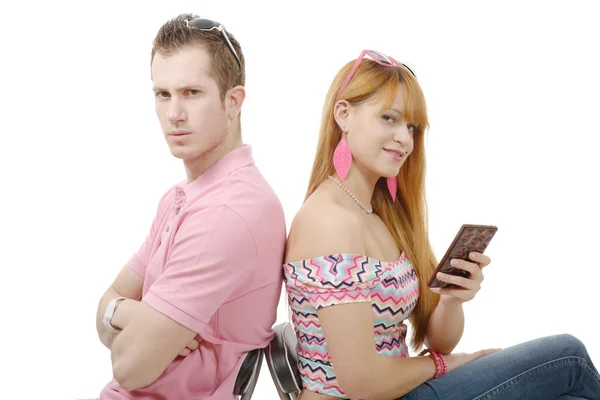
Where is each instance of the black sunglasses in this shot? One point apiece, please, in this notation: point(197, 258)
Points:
point(208, 25)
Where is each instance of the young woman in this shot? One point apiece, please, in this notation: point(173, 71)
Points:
point(358, 259)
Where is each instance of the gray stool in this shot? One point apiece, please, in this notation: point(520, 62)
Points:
point(282, 361)
point(248, 374)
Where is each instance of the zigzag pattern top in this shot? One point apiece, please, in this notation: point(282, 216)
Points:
point(392, 288)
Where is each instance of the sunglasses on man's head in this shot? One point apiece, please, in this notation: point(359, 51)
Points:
point(208, 25)
point(376, 56)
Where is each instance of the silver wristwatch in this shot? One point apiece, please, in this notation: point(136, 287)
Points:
point(108, 314)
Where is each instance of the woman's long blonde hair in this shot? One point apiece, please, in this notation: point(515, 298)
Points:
point(406, 218)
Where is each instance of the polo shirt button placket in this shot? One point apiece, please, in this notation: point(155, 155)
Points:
point(179, 200)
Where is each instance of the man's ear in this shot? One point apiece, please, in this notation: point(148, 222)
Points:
point(233, 101)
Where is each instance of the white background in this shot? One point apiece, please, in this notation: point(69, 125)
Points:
point(512, 91)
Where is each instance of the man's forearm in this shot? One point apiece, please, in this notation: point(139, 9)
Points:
point(446, 326)
point(120, 319)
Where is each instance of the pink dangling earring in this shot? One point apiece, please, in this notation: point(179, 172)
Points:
point(392, 184)
point(342, 159)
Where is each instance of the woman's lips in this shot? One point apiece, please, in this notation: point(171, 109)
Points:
point(396, 154)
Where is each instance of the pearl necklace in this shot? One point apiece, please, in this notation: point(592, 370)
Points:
point(367, 210)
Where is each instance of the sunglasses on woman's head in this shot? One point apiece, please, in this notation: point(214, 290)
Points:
point(208, 25)
point(376, 56)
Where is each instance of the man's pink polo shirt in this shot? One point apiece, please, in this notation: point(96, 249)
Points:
point(212, 262)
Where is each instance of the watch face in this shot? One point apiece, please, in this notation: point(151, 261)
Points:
point(108, 314)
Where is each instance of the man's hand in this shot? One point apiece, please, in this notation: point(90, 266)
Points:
point(191, 346)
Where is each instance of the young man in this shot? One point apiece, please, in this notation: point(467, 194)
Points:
point(203, 288)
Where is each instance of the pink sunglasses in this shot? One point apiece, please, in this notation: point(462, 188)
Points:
point(379, 58)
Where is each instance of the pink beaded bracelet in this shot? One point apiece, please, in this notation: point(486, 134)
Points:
point(441, 368)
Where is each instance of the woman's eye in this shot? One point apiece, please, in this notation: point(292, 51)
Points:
point(162, 95)
point(389, 118)
point(194, 92)
point(411, 128)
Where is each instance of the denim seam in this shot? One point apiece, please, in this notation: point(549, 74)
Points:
point(530, 373)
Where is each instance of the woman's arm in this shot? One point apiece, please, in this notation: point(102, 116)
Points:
point(446, 326)
point(448, 319)
point(361, 372)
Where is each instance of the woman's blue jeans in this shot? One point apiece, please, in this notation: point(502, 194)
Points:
point(554, 367)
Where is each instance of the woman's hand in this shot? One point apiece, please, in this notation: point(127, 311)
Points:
point(454, 361)
point(467, 287)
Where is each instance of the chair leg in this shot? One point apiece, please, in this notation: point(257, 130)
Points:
point(251, 384)
point(284, 396)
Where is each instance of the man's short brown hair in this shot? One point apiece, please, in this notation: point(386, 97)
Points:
point(225, 70)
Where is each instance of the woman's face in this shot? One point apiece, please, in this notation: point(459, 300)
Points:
point(380, 138)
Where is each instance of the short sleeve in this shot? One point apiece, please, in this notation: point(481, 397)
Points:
point(213, 260)
point(139, 261)
point(334, 279)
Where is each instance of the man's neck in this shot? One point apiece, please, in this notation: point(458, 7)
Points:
point(198, 165)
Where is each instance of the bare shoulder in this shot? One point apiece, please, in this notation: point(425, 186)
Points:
point(322, 227)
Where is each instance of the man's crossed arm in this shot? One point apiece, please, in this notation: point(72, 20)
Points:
point(149, 341)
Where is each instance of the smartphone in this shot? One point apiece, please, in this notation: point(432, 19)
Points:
point(469, 238)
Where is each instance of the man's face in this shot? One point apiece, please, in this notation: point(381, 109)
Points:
point(188, 103)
